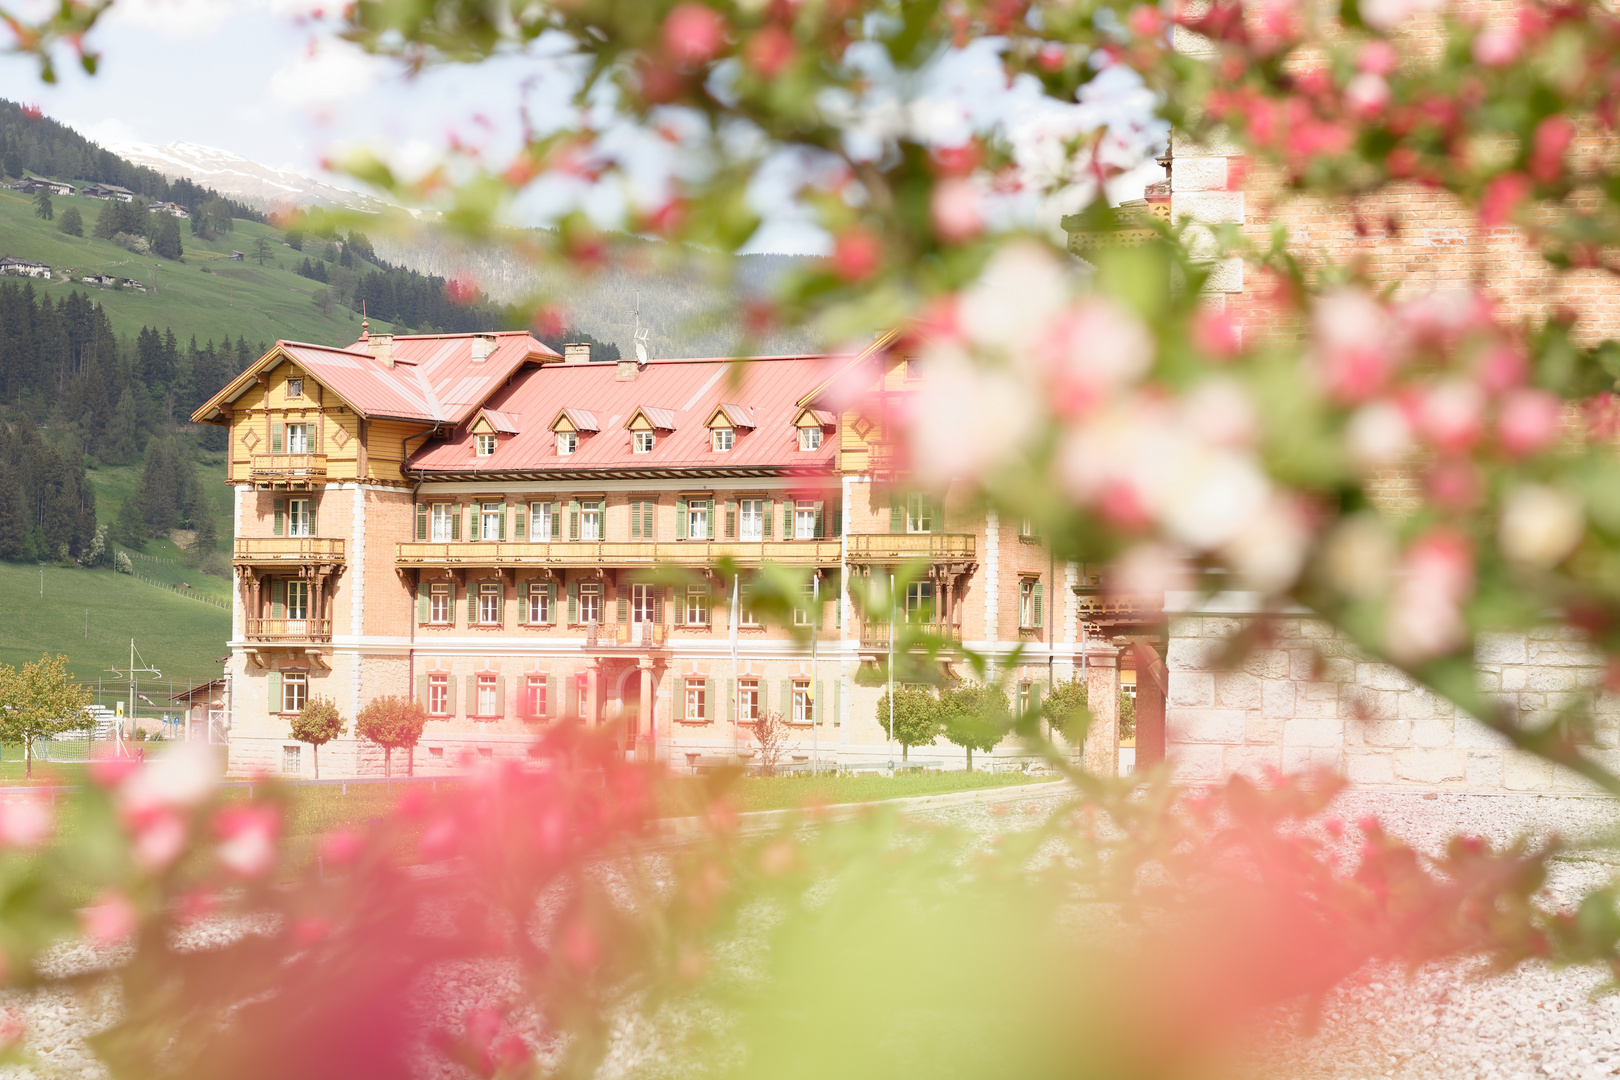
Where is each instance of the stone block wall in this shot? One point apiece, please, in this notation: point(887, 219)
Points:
point(1308, 700)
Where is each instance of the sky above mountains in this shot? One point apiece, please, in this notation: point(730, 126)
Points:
point(262, 79)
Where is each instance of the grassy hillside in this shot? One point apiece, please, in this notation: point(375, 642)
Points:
point(205, 293)
point(181, 637)
point(113, 483)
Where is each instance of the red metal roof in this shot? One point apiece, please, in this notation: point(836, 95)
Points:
point(435, 377)
point(690, 391)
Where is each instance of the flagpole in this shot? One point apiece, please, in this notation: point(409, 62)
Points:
point(891, 660)
point(815, 706)
point(736, 748)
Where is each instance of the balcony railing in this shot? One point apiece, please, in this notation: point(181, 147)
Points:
point(289, 467)
point(593, 553)
point(875, 635)
point(633, 635)
point(273, 550)
point(1096, 607)
point(289, 630)
point(902, 547)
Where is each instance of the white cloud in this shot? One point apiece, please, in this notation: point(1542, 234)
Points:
point(328, 73)
point(189, 19)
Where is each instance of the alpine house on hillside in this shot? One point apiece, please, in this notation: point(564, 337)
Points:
point(517, 539)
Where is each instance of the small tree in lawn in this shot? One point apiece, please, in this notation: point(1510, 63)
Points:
point(917, 720)
point(42, 205)
point(261, 250)
point(770, 732)
point(974, 716)
point(318, 723)
point(392, 722)
point(39, 701)
point(1066, 709)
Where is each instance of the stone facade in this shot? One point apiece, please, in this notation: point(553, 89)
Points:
point(1307, 700)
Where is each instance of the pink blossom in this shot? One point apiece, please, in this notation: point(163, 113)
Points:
point(1552, 139)
point(24, 823)
point(1145, 21)
point(110, 772)
point(110, 919)
point(770, 50)
point(693, 34)
point(342, 846)
point(1444, 316)
point(955, 210)
point(967, 419)
point(159, 840)
point(248, 844)
point(182, 776)
point(1528, 421)
point(1216, 334)
point(1355, 344)
point(1497, 46)
point(579, 947)
point(12, 1029)
point(1501, 368)
point(1425, 617)
point(1453, 415)
point(439, 840)
point(1269, 550)
point(857, 254)
point(1366, 95)
point(1093, 350)
point(1378, 435)
point(1502, 199)
point(1012, 305)
point(1148, 570)
point(1220, 413)
point(1377, 57)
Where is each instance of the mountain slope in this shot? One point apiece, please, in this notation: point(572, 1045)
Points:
point(258, 185)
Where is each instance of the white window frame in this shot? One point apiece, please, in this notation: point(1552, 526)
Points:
point(539, 603)
point(747, 701)
point(440, 518)
point(1022, 696)
point(721, 439)
point(439, 695)
point(439, 603)
point(489, 521)
point(294, 691)
point(751, 519)
point(697, 605)
point(642, 598)
point(298, 517)
point(590, 520)
point(916, 522)
point(296, 610)
point(590, 597)
point(802, 612)
point(484, 443)
point(745, 608)
point(292, 760)
point(567, 443)
point(295, 387)
point(1026, 603)
point(298, 438)
point(809, 438)
point(435, 753)
point(489, 604)
point(697, 519)
point(804, 519)
point(540, 522)
point(804, 702)
point(487, 688)
point(697, 699)
point(536, 697)
point(921, 602)
point(643, 441)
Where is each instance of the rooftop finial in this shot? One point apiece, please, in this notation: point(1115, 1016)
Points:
point(365, 323)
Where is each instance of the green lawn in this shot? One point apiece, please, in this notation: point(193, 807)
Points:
point(91, 615)
point(790, 792)
point(204, 294)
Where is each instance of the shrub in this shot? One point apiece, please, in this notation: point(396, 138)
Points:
point(318, 723)
point(392, 722)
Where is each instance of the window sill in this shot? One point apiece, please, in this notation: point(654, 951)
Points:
point(694, 723)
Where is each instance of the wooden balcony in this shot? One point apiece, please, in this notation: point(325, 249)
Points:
point(641, 635)
point(288, 470)
point(875, 635)
point(289, 631)
point(904, 547)
point(586, 554)
point(1109, 610)
point(285, 550)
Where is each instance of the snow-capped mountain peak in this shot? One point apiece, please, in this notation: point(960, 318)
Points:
point(260, 186)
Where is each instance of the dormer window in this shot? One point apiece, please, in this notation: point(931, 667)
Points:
point(485, 444)
point(567, 443)
point(643, 442)
point(722, 439)
point(809, 438)
point(295, 387)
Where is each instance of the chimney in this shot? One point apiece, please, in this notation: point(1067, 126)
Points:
point(627, 370)
point(382, 347)
point(482, 346)
point(577, 352)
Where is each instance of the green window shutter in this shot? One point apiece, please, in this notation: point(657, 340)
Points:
point(455, 522)
point(551, 602)
point(1039, 607)
point(551, 695)
point(523, 603)
point(556, 522)
point(821, 511)
point(449, 695)
point(422, 602)
point(500, 695)
point(731, 700)
point(708, 701)
point(313, 531)
point(649, 519)
point(658, 605)
point(680, 519)
point(731, 520)
point(472, 695)
point(472, 604)
point(422, 692)
point(273, 692)
point(897, 515)
point(573, 519)
point(709, 517)
point(275, 438)
point(787, 519)
point(635, 520)
point(770, 512)
point(500, 530)
point(573, 603)
point(838, 522)
point(624, 609)
point(520, 515)
point(281, 517)
point(838, 693)
point(421, 521)
point(815, 701)
point(278, 592)
point(787, 699)
point(680, 699)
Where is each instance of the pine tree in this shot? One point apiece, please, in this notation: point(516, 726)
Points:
point(129, 528)
point(71, 222)
point(13, 531)
point(42, 205)
point(159, 498)
point(166, 237)
point(126, 436)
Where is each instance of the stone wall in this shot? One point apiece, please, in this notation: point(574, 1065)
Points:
point(1308, 700)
